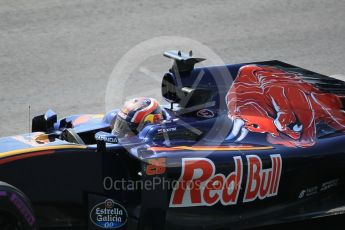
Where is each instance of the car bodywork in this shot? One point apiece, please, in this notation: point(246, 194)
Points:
point(242, 145)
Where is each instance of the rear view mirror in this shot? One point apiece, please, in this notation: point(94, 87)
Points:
point(44, 123)
point(106, 137)
point(50, 116)
point(102, 138)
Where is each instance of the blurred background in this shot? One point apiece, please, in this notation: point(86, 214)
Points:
point(59, 54)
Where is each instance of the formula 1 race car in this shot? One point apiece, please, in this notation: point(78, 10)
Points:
point(239, 146)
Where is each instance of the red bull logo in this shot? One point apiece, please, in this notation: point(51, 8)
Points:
point(199, 185)
point(280, 104)
point(262, 183)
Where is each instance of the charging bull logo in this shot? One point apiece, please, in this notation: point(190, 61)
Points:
point(270, 100)
point(199, 185)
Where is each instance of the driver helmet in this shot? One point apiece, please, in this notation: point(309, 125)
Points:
point(135, 114)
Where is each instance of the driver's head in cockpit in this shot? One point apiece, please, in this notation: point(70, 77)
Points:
point(135, 114)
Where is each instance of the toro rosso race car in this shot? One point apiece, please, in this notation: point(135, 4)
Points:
point(238, 146)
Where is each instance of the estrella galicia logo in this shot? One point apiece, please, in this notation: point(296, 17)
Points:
point(108, 215)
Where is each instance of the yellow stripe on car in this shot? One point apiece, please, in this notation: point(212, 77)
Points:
point(43, 148)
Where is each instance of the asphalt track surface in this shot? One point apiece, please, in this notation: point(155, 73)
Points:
point(60, 54)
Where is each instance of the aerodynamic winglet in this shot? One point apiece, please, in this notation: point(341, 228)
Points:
point(183, 62)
